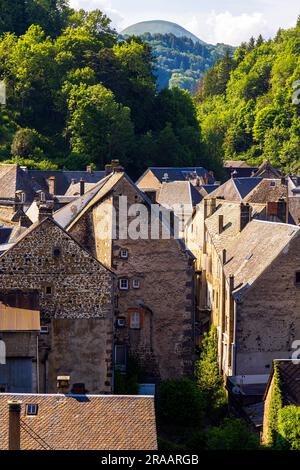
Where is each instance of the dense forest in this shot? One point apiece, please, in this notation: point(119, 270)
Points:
point(77, 94)
point(180, 62)
point(248, 104)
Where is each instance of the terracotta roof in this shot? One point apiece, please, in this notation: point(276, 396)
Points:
point(289, 376)
point(88, 422)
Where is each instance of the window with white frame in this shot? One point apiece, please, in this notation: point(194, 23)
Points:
point(124, 284)
point(32, 409)
point(135, 320)
point(124, 254)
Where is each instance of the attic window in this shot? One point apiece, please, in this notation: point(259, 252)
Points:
point(273, 184)
point(297, 278)
point(31, 409)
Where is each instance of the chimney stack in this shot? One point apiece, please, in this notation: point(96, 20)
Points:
point(221, 224)
point(52, 185)
point(14, 412)
point(89, 169)
point(82, 187)
point(46, 211)
point(224, 256)
point(63, 384)
point(245, 215)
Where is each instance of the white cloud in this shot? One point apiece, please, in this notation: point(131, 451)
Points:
point(227, 28)
point(116, 17)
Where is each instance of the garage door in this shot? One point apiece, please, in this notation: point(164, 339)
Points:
point(16, 376)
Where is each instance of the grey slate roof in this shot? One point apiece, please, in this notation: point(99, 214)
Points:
point(179, 192)
point(289, 376)
point(12, 179)
point(64, 178)
point(179, 173)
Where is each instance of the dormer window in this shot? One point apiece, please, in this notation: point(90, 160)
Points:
point(31, 409)
point(124, 254)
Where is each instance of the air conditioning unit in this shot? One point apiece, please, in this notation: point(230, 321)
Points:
point(44, 330)
point(121, 322)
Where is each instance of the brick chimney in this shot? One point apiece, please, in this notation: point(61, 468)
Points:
point(46, 211)
point(82, 187)
point(113, 167)
point(245, 215)
point(52, 185)
point(14, 432)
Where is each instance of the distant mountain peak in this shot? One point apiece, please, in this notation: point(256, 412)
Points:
point(159, 27)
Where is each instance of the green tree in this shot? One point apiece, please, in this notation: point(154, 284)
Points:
point(28, 143)
point(98, 126)
point(233, 434)
point(289, 428)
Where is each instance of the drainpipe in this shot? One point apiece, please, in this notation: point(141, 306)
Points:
point(37, 365)
point(234, 353)
point(14, 431)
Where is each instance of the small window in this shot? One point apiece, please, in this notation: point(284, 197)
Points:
point(124, 284)
point(56, 252)
point(120, 357)
point(297, 278)
point(48, 290)
point(124, 254)
point(136, 284)
point(273, 184)
point(121, 322)
point(31, 409)
point(135, 321)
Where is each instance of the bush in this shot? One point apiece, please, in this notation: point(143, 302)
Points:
point(233, 434)
point(208, 378)
point(289, 428)
point(180, 402)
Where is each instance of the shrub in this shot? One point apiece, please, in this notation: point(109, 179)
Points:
point(233, 434)
point(180, 402)
point(289, 428)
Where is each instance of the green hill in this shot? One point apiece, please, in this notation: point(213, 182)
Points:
point(248, 107)
point(159, 27)
point(181, 58)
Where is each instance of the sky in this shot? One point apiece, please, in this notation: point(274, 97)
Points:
point(227, 21)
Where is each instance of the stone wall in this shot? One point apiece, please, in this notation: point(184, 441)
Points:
point(75, 301)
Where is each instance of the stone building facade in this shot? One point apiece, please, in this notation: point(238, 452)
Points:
point(154, 316)
point(48, 279)
point(249, 271)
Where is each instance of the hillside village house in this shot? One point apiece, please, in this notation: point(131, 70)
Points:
point(154, 310)
point(240, 260)
point(56, 313)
